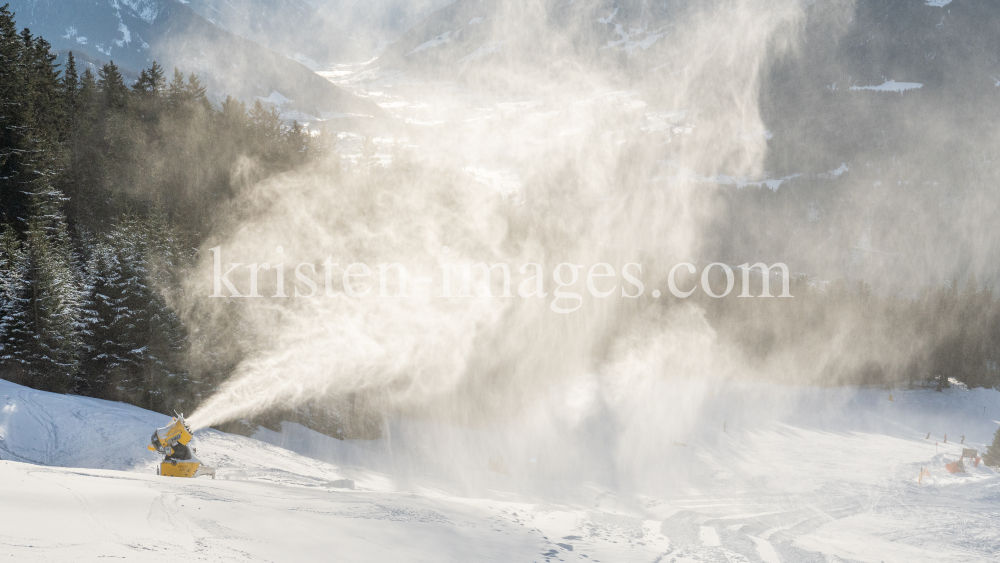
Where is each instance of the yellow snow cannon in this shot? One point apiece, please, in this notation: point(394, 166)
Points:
point(179, 460)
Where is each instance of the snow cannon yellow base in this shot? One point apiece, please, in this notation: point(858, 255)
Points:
point(179, 460)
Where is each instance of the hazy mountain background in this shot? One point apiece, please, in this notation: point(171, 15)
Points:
point(244, 49)
point(881, 125)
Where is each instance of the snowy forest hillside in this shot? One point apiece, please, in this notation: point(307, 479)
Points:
point(106, 191)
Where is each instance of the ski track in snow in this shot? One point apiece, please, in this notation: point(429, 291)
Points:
point(76, 484)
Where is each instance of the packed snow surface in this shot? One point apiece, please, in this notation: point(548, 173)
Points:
point(798, 475)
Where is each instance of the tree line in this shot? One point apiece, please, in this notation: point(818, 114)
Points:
point(105, 190)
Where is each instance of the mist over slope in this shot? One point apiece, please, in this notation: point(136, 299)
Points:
point(825, 136)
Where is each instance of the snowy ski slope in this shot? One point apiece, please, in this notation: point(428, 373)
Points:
point(830, 476)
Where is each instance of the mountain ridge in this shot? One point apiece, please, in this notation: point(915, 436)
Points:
point(135, 33)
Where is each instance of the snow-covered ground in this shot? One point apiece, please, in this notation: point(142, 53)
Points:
point(800, 474)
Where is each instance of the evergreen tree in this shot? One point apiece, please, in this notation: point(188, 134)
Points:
point(42, 320)
point(298, 143)
point(167, 376)
point(70, 91)
point(992, 455)
point(196, 93)
point(11, 273)
point(13, 119)
point(150, 81)
point(81, 181)
point(88, 86)
point(134, 340)
point(235, 124)
point(53, 297)
point(71, 80)
point(47, 92)
point(234, 112)
point(89, 381)
point(266, 124)
point(176, 92)
point(112, 87)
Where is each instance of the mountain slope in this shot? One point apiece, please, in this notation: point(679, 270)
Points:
point(900, 99)
point(469, 33)
point(135, 33)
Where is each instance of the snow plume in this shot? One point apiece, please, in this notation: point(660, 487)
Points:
point(587, 197)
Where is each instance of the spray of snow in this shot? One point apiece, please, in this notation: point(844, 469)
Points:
point(482, 360)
